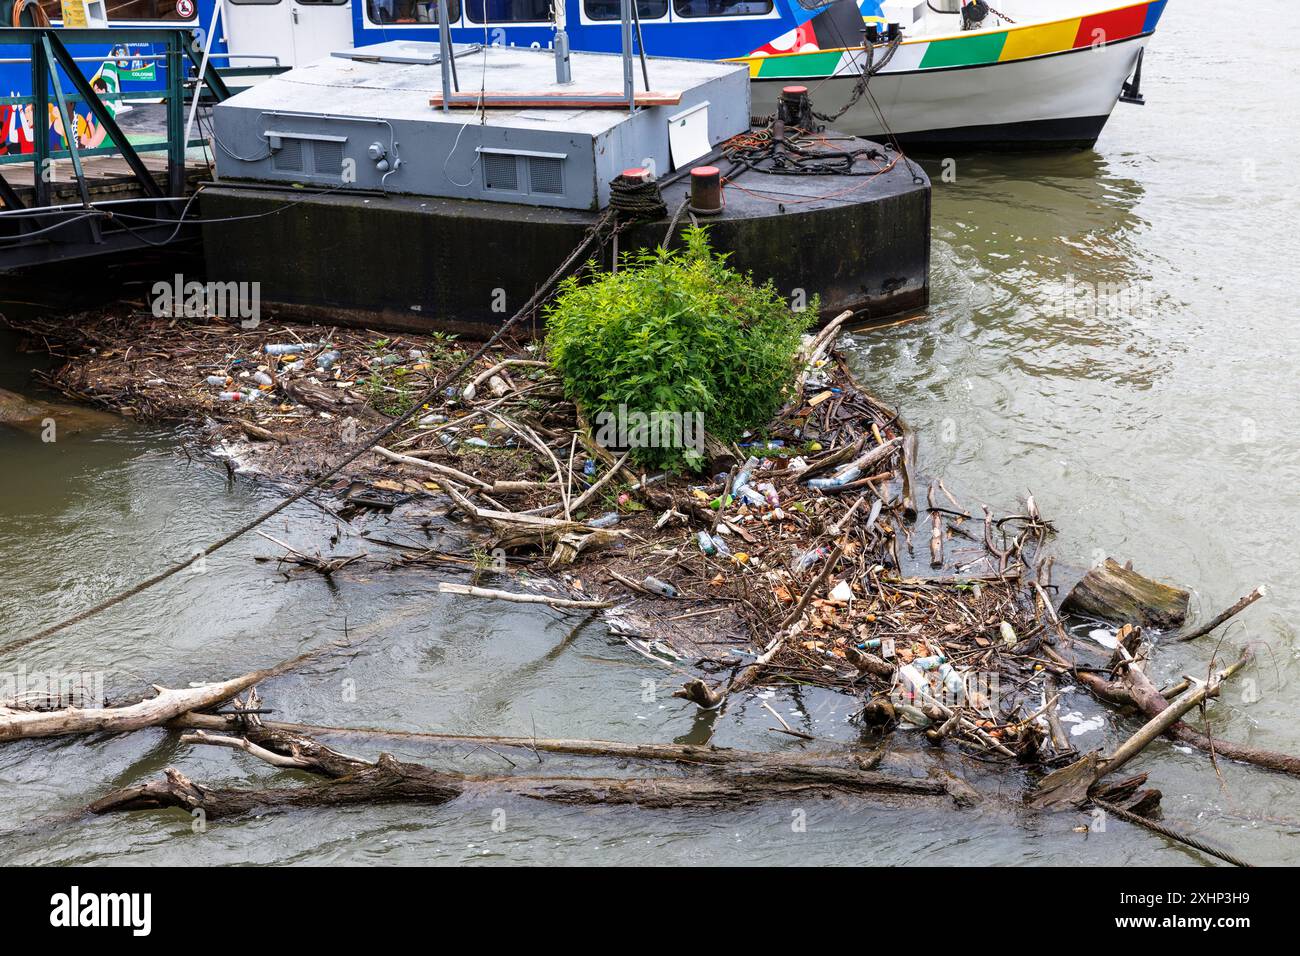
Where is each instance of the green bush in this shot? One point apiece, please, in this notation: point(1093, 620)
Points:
point(675, 333)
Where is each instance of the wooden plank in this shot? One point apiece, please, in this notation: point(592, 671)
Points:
point(555, 101)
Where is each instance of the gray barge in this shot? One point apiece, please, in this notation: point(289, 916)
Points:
point(353, 193)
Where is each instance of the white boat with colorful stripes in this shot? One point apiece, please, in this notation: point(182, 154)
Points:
point(952, 74)
point(940, 74)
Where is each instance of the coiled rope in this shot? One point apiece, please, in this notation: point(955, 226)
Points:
point(636, 198)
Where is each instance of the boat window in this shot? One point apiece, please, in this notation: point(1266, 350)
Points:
point(128, 10)
point(265, 3)
point(722, 8)
point(407, 11)
point(509, 11)
point(609, 9)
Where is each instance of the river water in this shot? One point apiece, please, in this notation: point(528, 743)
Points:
point(1151, 415)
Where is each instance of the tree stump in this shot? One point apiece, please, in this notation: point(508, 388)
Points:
point(1116, 593)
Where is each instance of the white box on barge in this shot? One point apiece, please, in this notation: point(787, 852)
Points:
point(366, 120)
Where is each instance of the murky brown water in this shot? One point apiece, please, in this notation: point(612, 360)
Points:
point(1157, 425)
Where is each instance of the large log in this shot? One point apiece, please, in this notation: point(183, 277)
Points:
point(1115, 593)
point(1147, 698)
point(166, 705)
point(1070, 785)
point(353, 780)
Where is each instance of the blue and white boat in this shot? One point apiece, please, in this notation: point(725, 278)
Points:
point(943, 73)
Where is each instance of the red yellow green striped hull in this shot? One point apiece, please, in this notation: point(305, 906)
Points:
point(1037, 84)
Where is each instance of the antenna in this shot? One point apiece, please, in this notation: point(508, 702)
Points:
point(444, 53)
point(563, 73)
point(625, 14)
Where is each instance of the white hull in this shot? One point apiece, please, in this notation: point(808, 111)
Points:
point(1062, 99)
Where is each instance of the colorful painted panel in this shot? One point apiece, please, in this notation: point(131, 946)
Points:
point(969, 50)
point(973, 49)
point(1111, 26)
point(1037, 41)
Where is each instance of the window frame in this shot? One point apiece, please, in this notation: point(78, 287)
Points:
point(772, 14)
point(587, 20)
point(471, 22)
point(453, 6)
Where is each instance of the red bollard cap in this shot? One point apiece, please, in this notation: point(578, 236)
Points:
point(636, 172)
point(705, 171)
point(795, 90)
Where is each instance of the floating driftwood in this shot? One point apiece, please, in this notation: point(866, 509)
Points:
point(1117, 593)
point(745, 780)
point(166, 705)
point(799, 581)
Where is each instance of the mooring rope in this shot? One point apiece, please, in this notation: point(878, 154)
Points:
point(537, 297)
point(637, 198)
point(1168, 831)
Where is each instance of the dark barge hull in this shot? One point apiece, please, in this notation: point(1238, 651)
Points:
point(419, 263)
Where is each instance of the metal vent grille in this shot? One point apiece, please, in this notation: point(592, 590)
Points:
point(500, 172)
point(327, 158)
point(288, 157)
point(546, 175)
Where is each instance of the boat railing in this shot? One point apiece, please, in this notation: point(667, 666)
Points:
point(59, 87)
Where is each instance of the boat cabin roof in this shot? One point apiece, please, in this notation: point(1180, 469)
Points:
point(397, 80)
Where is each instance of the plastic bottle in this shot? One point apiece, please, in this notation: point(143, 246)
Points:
point(954, 682)
point(723, 550)
point(217, 379)
point(808, 559)
point(706, 543)
point(327, 360)
point(930, 663)
point(607, 520)
point(752, 496)
point(913, 684)
point(589, 467)
point(238, 396)
point(871, 644)
point(743, 476)
point(840, 479)
point(292, 348)
point(655, 586)
point(261, 378)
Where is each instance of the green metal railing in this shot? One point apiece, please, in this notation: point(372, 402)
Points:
point(56, 76)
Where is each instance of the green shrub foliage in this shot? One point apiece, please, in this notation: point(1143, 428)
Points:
point(673, 334)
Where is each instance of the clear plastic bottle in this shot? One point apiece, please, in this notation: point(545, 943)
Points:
point(809, 558)
point(655, 586)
